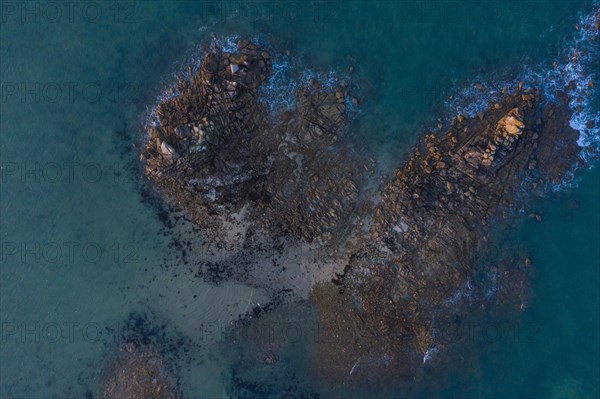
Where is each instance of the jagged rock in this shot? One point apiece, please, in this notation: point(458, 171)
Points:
point(429, 264)
point(412, 268)
point(216, 149)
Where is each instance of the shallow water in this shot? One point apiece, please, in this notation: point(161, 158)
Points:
point(81, 250)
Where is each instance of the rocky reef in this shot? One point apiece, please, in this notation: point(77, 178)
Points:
point(136, 373)
point(412, 250)
point(419, 269)
point(217, 150)
point(144, 359)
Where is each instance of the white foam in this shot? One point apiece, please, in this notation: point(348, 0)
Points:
point(429, 353)
point(576, 71)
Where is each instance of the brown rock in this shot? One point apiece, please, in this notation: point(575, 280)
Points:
point(136, 373)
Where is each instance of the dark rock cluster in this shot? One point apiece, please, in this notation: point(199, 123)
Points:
point(418, 269)
point(217, 150)
point(145, 359)
point(414, 270)
point(136, 373)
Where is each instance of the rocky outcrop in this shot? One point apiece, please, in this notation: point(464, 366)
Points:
point(136, 373)
point(216, 148)
point(419, 269)
point(414, 266)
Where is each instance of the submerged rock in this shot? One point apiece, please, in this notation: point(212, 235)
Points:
point(136, 373)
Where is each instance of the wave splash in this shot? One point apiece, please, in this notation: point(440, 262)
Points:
point(575, 76)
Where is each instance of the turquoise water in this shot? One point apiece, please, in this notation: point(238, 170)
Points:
point(81, 250)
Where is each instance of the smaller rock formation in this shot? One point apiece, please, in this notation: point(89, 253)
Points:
point(136, 373)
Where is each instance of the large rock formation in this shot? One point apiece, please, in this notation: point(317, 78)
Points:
point(414, 268)
point(218, 150)
point(419, 269)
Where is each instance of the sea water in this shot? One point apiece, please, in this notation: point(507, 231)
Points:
point(83, 250)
